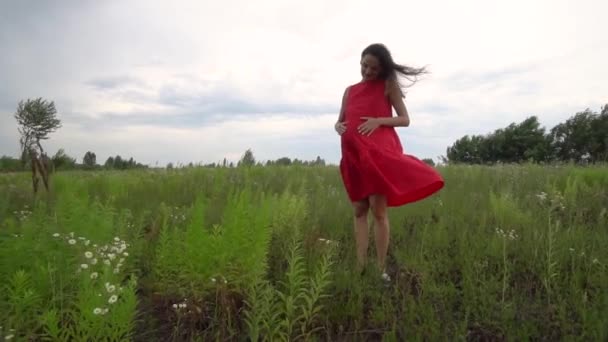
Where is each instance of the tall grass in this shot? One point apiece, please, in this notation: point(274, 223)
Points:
point(501, 253)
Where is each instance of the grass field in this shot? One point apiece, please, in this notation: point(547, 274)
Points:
point(501, 253)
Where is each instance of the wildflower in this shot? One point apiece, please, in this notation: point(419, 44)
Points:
point(56, 235)
point(97, 311)
point(81, 238)
point(8, 337)
point(94, 261)
point(110, 288)
point(116, 270)
point(183, 305)
point(113, 299)
point(175, 306)
point(571, 249)
point(111, 256)
point(500, 232)
point(88, 255)
point(94, 275)
point(542, 196)
point(72, 241)
point(116, 239)
point(71, 234)
point(125, 254)
point(595, 261)
point(107, 262)
point(213, 280)
point(86, 243)
point(84, 266)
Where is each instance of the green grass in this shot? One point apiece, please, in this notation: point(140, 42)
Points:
point(501, 253)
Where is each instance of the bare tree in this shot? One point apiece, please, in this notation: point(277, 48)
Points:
point(37, 119)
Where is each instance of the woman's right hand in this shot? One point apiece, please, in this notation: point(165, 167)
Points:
point(340, 127)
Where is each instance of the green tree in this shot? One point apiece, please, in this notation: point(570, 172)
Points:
point(10, 164)
point(89, 160)
point(466, 150)
point(36, 118)
point(521, 142)
point(573, 140)
point(515, 143)
point(283, 161)
point(109, 164)
point(247, 159)
point(119, 163)
point(62, 161)
point(599, 149)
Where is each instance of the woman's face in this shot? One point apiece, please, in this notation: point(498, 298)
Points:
point(370, 67)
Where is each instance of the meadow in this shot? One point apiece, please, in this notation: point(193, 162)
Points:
point(509, 252)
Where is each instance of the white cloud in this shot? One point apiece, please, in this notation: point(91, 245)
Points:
point(269, 137)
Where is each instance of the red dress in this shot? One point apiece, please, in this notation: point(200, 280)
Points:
point(376, 164)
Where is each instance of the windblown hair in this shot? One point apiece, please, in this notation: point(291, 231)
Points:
point(389, 69)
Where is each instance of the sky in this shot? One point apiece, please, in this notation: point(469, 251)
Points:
point(198, 81)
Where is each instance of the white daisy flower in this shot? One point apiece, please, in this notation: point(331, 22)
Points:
point(97, 311)
point(84, 266)
point(94, 275)
point(88, 255)
point(72, 242)
point(113, 299)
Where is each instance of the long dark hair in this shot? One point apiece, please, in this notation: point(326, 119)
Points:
point(390, 69)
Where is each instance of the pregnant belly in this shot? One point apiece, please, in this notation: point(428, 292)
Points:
point(382, 137)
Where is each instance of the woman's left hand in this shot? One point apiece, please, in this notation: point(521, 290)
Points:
point(369, 126)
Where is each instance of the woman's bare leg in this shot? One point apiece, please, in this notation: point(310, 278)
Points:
point(361, 209)
point(382, 229)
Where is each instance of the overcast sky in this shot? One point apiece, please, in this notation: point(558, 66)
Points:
point(197, 81)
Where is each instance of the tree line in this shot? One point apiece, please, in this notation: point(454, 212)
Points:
point(63, 162)
point(582, 138)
